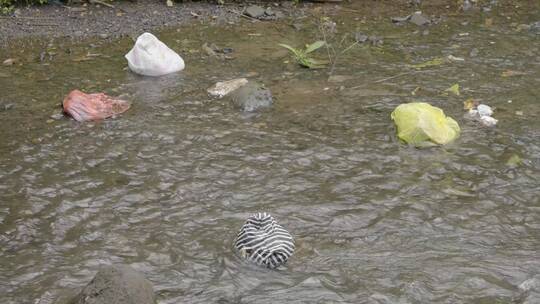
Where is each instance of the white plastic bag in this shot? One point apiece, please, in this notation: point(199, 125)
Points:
point(152, 57)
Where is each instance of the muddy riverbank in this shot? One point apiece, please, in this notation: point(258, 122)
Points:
point(132, 18)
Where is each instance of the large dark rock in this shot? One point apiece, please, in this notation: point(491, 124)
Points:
point(251, 97)
point(116, 285)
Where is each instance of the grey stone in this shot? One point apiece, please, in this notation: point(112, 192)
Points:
point(57, 116)
point(8, 106)
point(360, 37)
point(400, 19)
point(376, 41)
point(419, 19)
point(535, 27)
point(251, 97)
point(118, 284)
point(269, 12)
point(467, 5)
point(254, 11)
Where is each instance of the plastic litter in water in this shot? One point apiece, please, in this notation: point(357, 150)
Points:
point(264, 242)
point(484, 110)
point(151, 57)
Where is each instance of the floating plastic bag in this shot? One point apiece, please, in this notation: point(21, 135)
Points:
point(264, 242)
point(420, 124)
point(152, 57)
point(84, 107)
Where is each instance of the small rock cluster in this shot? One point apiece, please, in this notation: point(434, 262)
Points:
point(258, 12)
point(482, 113)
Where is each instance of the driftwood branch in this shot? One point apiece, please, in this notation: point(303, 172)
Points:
point(101, 2)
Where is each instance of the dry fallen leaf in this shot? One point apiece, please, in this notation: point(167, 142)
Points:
point(470, 104)
point(453, 89)
point(9, 61)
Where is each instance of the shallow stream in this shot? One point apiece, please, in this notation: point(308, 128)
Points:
point(166, 186)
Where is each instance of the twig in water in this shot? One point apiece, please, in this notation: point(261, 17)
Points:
point(102, 3)
point(392, 77)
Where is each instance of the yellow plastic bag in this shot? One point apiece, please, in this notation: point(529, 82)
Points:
point(421, 124)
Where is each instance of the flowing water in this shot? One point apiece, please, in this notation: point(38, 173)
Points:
point(165, 186)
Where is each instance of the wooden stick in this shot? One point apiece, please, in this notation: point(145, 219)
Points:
point(102, 3)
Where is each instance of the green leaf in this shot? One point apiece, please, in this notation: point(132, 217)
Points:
point(421, 124)
point(514, 161)
point(453, 89)
point(314, 46)
point(296, 52)
point(430, 63)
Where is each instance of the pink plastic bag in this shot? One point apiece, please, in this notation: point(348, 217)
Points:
point(97, 106)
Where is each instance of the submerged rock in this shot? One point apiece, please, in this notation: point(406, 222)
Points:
point(97, 106)
point(116, 285)
point(251, 97)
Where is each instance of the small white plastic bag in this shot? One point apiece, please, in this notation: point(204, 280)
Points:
point(151, 57)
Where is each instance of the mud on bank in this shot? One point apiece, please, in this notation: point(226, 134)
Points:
point(132, 18)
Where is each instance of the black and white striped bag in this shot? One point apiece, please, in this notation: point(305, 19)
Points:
point(263, 241)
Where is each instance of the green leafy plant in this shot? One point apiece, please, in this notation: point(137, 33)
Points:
point(302, 56)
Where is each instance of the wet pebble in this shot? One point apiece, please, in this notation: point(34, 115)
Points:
point(360, 37)
point(400, 20)
point(57, 116)
point(419, 19)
